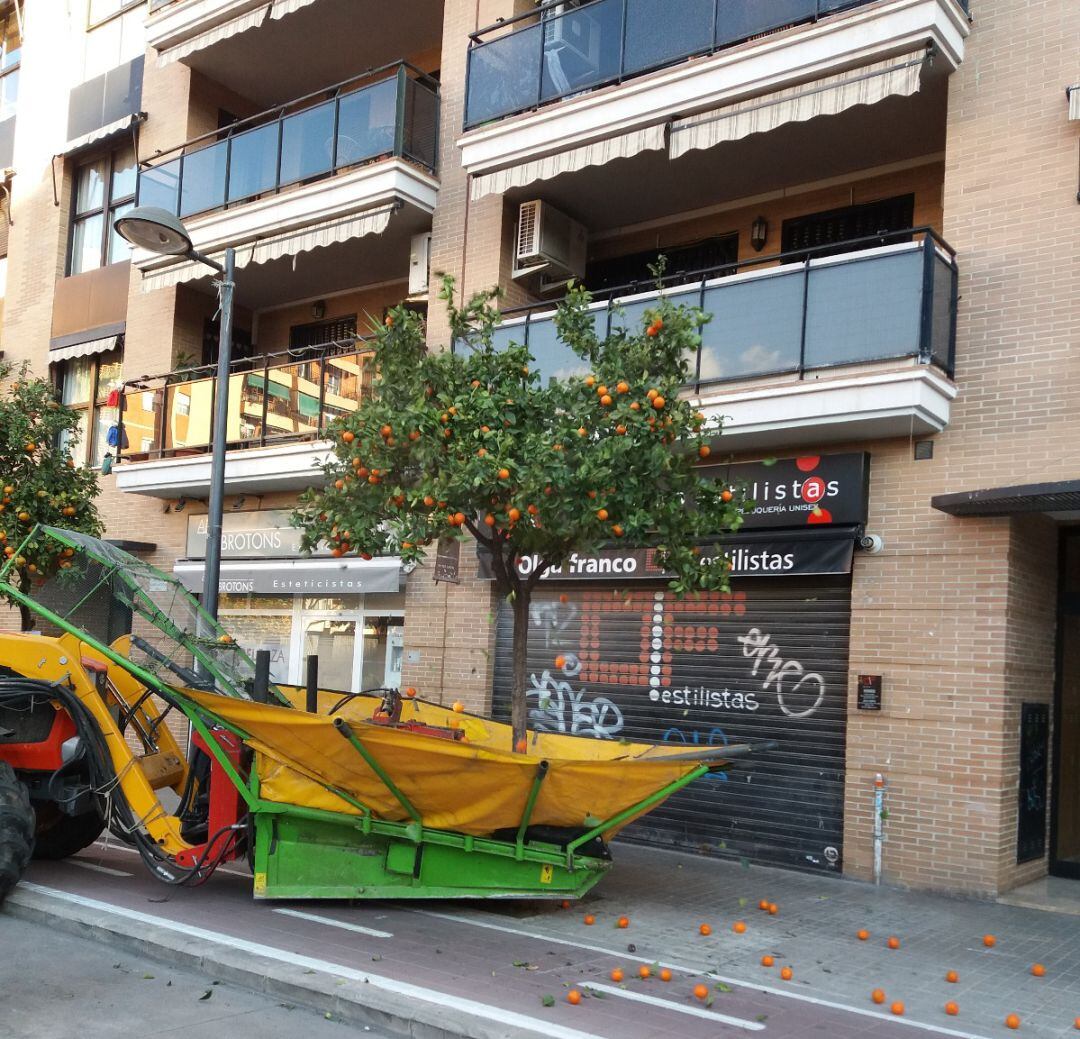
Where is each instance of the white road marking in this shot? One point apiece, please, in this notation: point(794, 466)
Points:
point(134, 851)
point(740, 982)
point(392, 985)
point(83, 864)
point(314, 918)
point(655, 1001)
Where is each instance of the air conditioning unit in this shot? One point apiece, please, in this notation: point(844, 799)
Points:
point(579, 34)
point(549, 242)
point(419, 263)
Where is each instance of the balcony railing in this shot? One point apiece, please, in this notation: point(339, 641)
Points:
point(560, 50)
point(273, 399)
point(392, 111)
point(884, 298)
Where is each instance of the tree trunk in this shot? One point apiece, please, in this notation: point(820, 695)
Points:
point(519, 712)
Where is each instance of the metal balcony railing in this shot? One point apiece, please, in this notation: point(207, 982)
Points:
point(391, 111)
point(888, 297)
point(563, 48)
point(275, 398)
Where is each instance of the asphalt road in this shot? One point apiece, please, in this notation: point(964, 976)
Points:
point(482, 961)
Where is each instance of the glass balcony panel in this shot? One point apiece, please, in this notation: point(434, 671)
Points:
point(941, 335)
point(348, 383)
point(307, 143)
point(504, 75)
point(366, 123)
point(864, 309)
point(740, 19)
point(755, 326)
point(245, 415)
point(551, 356)
point(658, 32)
point(160, 185)
point(253, 162)
point(421, 137)
point(581, 48)
point(142, 421)
point(292, 401)
point(189, 408)
point(203, 185)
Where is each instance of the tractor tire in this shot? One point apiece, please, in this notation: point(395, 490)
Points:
point(17, 823)
point(67, 835)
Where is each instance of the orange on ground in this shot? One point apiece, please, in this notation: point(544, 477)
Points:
point(951, 1009)
point(644, 971)
point(1038, 970)
point(701, 991)
point(862, 935)
point(897, 1008)
point(739, 927)
point(589, 920)
point(786, 973)
point(773, 910)
point(767, 961)
point(763, 905)
point(878, 996)
point(1076, 1024)
point(893, 942)
point(705, 929)
point(617, 975)
point(1012, 1021)
point(623, 921)
point(573, 997)
point(989, 941)
point(665, 974)
point(952, 977)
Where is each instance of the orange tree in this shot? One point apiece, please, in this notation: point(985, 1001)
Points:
point(40, 482)
point(474, 443)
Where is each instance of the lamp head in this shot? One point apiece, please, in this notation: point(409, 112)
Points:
point(154, 229)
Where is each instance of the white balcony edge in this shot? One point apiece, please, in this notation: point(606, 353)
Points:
point(179, 22)
point(256, 470)
point(367, 187)
point(872, 406)
point(797, 55)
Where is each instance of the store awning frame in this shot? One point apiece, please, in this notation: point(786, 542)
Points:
point(830, 95)
point(314, 576)
point(1057, 496)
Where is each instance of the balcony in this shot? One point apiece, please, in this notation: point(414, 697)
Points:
point(279, 408)
point(325, 168)
point(571, 77)
point(804, 347)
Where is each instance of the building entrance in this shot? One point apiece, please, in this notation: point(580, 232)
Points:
point(1065, 818)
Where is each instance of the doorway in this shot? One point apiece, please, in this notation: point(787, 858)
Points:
point(1065, 821)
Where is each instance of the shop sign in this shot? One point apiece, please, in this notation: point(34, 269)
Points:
point(267, 534)
point(777, 557)
point(448, 561)
point(869, 693)
point(299, 577)
point(810, 490)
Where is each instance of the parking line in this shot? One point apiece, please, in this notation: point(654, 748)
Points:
point(667, 1004)
point(83, 864)
point(314, 918)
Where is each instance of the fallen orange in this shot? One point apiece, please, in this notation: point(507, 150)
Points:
point(767, 961)
point(623, 921)
point(617, 975)
point(701, 991)
point(589, 920)
point(878, 996)
point(573, 997)
point(665, 974)
point(862, 935)
point(643, 971)
point(1038, 970)
point(786, 973)
point(897, 1008)
point(893, 942)
point(989, 941)
point(739, 927)
point(951, 1009)
point(952, 977)
point(705, 929)
point(1012, 1021)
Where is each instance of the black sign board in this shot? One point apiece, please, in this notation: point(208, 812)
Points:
point(869, 693)
point(448, 561)
point(811, 490)
point(1034, 744)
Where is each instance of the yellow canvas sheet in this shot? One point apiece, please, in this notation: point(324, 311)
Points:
point(475, 787)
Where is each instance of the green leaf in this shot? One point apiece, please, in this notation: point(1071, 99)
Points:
point(547, 1000)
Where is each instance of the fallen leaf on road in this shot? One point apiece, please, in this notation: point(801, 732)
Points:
point(206, 995)
point(548, 1000)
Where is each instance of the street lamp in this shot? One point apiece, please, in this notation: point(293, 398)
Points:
point(160, 231)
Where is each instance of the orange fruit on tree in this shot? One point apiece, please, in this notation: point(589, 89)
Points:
point(704, 451)
point(653, 394)
point(533, 510)
point(617, 975)
point(767, 961)
point(878, 996)
point(589, 919)
point(786, 973)
point(951, 1009)
point(651, 331)
point(582, 431)
point(635, 406)
point(339, 484)
point(705, 929)
point(429, 500)
point(459, 518)
point(862, 935)
point(590, 381)
point(31, 447)
point(573, 997)
point(414, 434)
point(658, 402)
point(605, 400)
point(726, 496)
point(348, 436)
point(24, 516)
point(893, 942)
point(739, 927)
point(623, 922)
point(622, 387)
point(410, 692)
point(620, 430)
point(481, 452)
point(601, 514)
point(489, 520)
point(897, 1008)
point(1012, 1021)
point(617, 530)
point(1038, 970)
point(458, 707)
point(389, 321)
point(701, 991)
point(989, 941)
point(665, 974)
point(504, 474)
point(560, 662)
point(644, 972)
point(952, 977)
point(658, 323)
point(386, 430)
point(514, 514)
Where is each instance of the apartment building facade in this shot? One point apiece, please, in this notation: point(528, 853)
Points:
point(875, 201)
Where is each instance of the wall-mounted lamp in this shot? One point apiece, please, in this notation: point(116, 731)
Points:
point(759, 233)
point(238, 503)
point(318, 309)
point(179, 505)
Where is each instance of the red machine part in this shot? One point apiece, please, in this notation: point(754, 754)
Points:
point(45, 755)
point(226, 806)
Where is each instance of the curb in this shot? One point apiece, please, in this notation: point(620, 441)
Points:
point(343, 998)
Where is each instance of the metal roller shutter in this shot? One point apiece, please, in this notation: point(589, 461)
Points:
point(766, 661)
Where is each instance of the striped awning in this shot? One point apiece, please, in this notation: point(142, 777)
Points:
point(829, 95)
point(102, 133)
point(1073, 93)
point(84, 349)
point(289, 243)
point(241, 23)
point(283, 7)
point(548, 166)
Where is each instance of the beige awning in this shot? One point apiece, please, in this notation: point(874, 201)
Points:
point(86, 349)
point(241, 23)
point(595, 154)
point(865, 85)
point(284, 7)
point(289, 243)
point(103, 132)
point(1073, 93)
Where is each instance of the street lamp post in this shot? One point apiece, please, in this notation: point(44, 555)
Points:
point(161, 232)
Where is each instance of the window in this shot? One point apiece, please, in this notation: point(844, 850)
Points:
point(104, 190)
point(323, 333)
point(851, 222)
point(633, 270)
point(85, 384)
point(102, 10)
point(10, 54)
